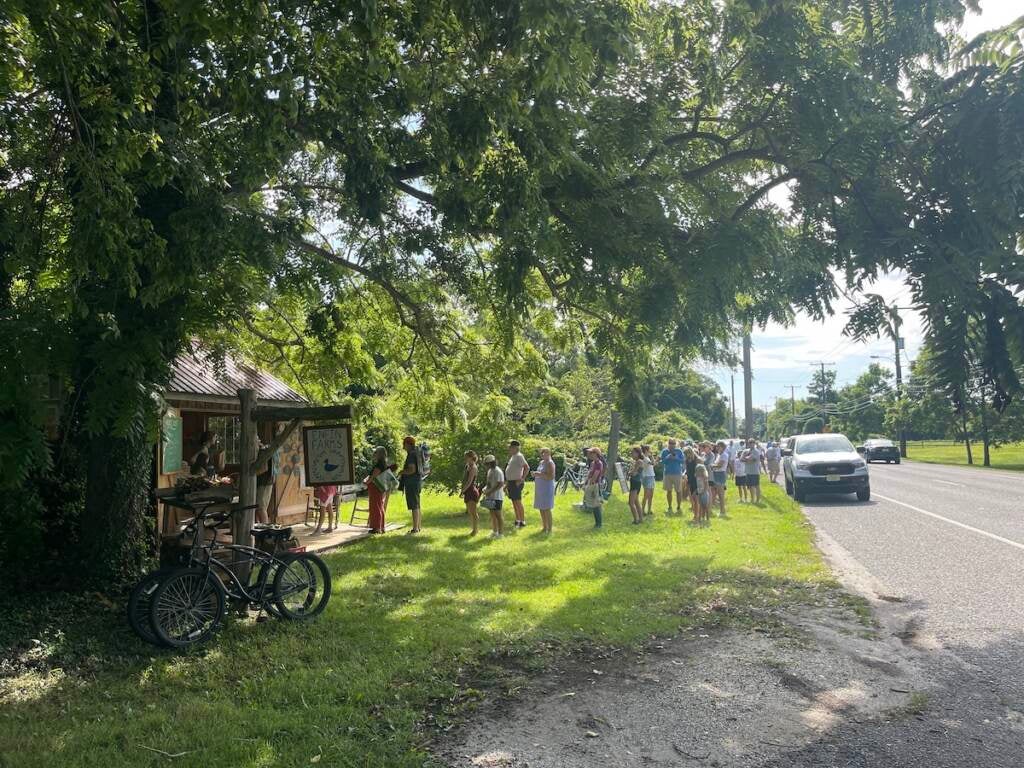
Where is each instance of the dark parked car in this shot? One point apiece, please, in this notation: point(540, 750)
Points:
point(879, 450)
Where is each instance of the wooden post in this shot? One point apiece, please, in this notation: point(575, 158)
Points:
point(247, 472)
point(613, 450)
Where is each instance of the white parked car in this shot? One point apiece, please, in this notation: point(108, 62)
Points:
point(825, 464)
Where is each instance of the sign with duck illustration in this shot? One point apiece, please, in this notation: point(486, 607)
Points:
point(328, 454)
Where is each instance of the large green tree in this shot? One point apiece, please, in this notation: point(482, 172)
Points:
point(169, 167)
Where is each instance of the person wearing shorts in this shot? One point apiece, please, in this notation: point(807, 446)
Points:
point(753, 458)
point(720, 473)
point(739, 470)
point(648, 480)
point(494, 494)
point(672, 459)
point(516, 472)
point(412, 483)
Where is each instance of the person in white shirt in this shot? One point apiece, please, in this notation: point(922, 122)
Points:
point(648, 481)
point(773, 457)
point(494, 494)
point(753, 457)
point(739, 469)
point(516, 472)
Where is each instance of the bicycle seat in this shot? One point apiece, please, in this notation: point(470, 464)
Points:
point(271, 533)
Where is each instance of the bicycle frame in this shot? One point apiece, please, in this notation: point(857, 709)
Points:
point(234, 587)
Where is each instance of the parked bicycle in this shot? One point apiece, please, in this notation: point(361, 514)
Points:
point(184, 605)
point(574, 475)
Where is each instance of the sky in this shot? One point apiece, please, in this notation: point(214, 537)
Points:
point(784, 356)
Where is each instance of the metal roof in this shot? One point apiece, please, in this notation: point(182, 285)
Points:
point(197, 374)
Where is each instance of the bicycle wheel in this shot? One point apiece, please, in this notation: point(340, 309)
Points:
point(139, 601)
point(187, 608)
point(563, 483)
point(302, 587)
point(268, 587)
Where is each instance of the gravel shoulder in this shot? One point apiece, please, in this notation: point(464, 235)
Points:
point(823, 688)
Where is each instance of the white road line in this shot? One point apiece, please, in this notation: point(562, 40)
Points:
point(958, 485)
point(971, 528)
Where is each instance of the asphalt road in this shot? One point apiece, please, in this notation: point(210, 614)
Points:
point(944, 547)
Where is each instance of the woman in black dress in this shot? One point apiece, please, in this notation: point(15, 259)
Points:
point(691, 480)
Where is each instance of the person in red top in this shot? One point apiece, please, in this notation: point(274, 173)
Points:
point(325, 495)
point(378, 498)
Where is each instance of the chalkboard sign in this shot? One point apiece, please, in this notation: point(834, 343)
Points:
point(170, 447)
point(328, 454)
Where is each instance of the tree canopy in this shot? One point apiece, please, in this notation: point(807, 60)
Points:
point(459, 179)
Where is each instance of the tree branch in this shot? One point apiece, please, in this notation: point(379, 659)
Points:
point(760, 192)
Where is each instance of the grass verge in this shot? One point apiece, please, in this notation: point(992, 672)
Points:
point(1008, 456)
point(413, 622)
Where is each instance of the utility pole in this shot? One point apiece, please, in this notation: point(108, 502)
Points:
point(823, 394)
point(732, 383)
point(898, 342)
point(748, 386)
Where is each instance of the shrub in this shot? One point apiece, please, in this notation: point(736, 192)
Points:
point(674, 423)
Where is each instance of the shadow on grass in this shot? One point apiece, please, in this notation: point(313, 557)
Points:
point(409, 616)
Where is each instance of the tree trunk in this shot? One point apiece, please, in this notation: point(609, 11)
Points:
point(985, 439)
point(114, 532)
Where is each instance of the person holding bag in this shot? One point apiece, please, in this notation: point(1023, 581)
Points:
point(379, 484)
point(593, 499)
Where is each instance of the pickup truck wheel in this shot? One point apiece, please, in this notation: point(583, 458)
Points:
point(864, 494)
point(789, 487)
point(897, 461)
point(798, 492)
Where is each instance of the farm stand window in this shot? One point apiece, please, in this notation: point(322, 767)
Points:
point(230, 430)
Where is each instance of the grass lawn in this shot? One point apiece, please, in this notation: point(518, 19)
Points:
point(415, 623)
point(1009, 456)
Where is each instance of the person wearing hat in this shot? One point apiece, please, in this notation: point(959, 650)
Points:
point(494, 493)
point(412, 482)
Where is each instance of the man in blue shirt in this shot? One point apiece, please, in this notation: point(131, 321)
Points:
point(672, 459)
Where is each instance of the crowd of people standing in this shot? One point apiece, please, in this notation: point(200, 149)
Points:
point(696, 473)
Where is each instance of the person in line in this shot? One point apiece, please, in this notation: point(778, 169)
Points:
point(648, 480)
point(753, 459)
point(636, 484)
point(378, 496)
point(739, 470)
point(265, 482)
point(494, 494)
point(593, 498)
point(516, 472)
point(703, 494)
point(470, 493)
point(691, 460)
point(412, 482)
point(326, 509)
point(773, 457)
point(672, 460)
point(544, 488)
point(720, 473)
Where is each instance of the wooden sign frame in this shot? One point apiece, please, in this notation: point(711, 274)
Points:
point(349, 479)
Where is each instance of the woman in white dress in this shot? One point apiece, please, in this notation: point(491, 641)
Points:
point(544, 488)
